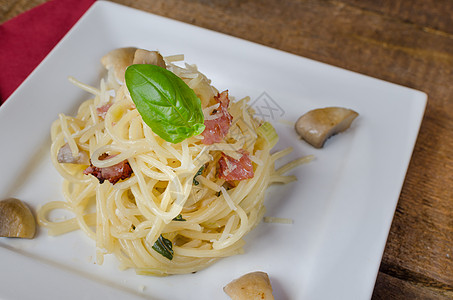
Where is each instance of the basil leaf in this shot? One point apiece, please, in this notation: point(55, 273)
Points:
point(165, 102)
point(164, 247)
point(195, 182)
point(179, 218)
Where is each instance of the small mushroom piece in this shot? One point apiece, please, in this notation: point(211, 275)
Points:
point(251, 286)
point(16, 219)
point(317, 125)
point(65, 156)
point(148, 57)
point(118, 60)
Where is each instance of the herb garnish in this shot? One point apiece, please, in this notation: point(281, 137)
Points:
point(179, 218)
point(165, 102)
point(195, 182)
point(164, 247)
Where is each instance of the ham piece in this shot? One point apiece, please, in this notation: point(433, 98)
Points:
point(217, 128)
point(236, 169)
point(102, 110)
point(115, 173)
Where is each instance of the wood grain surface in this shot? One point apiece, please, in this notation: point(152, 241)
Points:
point(401, 41)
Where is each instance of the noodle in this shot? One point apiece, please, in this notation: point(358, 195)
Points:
point(204, 221)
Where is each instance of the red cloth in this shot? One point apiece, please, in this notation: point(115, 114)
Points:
point(26, 39)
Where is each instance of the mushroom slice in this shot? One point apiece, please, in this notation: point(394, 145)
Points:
point(118, 60)
point(16, 219)
point(251, 286)
point(148, 57)
point(65, 156)
point(317, 125)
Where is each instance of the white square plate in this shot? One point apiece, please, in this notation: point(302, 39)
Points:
point(342, 205)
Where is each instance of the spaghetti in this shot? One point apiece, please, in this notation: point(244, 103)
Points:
point(174, 202)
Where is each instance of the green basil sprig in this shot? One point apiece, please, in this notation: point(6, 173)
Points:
point(165, 102)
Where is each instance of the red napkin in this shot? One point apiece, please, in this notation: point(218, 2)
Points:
point(26, 39)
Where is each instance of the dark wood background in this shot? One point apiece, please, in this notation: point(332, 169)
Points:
point(401, 41)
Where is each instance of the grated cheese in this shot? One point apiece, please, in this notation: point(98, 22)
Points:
point(278, 220)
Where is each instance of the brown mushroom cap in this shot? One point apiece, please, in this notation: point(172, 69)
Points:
point(16, 219)
point(142, 56)
point(317, 125)
point(251, 286)
point(119, 59)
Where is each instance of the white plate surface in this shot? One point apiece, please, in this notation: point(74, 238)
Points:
point(342, 204)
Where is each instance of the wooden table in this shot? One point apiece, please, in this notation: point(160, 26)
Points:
point(406, 42)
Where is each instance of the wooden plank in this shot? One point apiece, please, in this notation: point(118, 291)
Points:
point(389, 287)
point(331, 32)
point(5, 7)
point(433, 15)
point(421, 235)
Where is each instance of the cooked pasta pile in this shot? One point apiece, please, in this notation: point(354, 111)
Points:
point(174, 194)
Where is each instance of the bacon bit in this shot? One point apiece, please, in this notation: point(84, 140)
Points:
point(102, 110)
point(115, 173)
point(236, 169)
point(217, 128)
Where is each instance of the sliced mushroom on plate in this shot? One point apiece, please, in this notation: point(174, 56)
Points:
point(251, 286)
point(118, 60)
point(121, 58)
point(142, 56)
point(16, 219)
point(317, 125)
